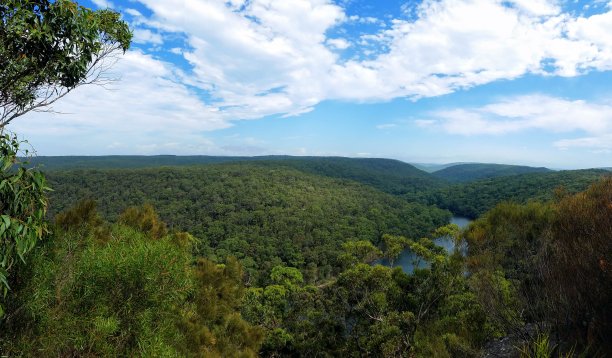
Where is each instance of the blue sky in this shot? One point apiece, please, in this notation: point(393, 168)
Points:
point(519, 82)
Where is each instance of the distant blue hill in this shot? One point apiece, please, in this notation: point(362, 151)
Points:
point(434, 167)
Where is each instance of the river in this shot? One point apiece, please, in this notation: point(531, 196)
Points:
point(407, 259)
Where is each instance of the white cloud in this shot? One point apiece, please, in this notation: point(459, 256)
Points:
point(145, 108)
point(340, 44)
point(274, 56)
point(531, 112)
point(537, 7)
point(263, 57)
point(133, 12)
point(143, 36)
point(601, 144)
point(364, 19)
point(104, 4)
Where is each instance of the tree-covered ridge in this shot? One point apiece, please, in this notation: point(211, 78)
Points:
point(475, 198)
point(264, 215)
point(474, 171)
point(52, 163)
point(388, 175)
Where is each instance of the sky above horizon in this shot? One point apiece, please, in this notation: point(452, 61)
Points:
point(517, 82)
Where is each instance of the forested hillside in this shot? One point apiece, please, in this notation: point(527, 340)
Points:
point(264, 215)
point(388, 175)
point(547, 264)
point(468, 172)
point(50, 163)
point(475, 198)
point(391, 176)
point(132, 288)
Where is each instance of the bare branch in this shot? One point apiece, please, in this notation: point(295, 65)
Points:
point(98, 73)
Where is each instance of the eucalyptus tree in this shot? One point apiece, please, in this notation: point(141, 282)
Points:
point(47, 49)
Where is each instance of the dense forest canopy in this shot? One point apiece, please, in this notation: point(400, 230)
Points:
point(469, 172)
point(451, 307)
point(264, 215)
point(473, 199)
point(391, 176)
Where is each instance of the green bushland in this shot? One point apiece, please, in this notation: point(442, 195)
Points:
point(461, 173)
point(100, 289)
point(548, 264)
point(135, 287)
point(388, 175)
point(264, 215)
point(473, 199)
point(23, 207)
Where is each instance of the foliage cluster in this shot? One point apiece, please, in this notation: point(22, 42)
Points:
point(99, 289)
point(131, 288)
point(372, 310)
point(390, 176)
point(47, 48)
point(23, 207)
point(548, 265)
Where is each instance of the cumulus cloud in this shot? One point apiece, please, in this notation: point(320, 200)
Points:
point(267, 45)
point(530, 112)
point(340, 44)
point(143, 111)
point(250, 59)
point(103, 4)
point(144, 36)
point(600, 144)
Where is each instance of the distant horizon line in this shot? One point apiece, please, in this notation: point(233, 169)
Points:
point(414, 163)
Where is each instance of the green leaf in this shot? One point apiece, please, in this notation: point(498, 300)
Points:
point(7, 220)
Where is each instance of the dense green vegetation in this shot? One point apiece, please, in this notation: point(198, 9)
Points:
point(390, 176)
point(279, 257)
point(475, 198)
point(548, 264)
point(96, 288)
point(51, 163)
point(134, 287)
point(264, 215)
point(469, 172)
point(100, 289)
point(23, 206)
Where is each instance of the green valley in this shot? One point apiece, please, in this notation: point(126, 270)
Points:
point(305, 178)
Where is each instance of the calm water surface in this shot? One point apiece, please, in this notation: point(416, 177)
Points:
point(407, 259)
